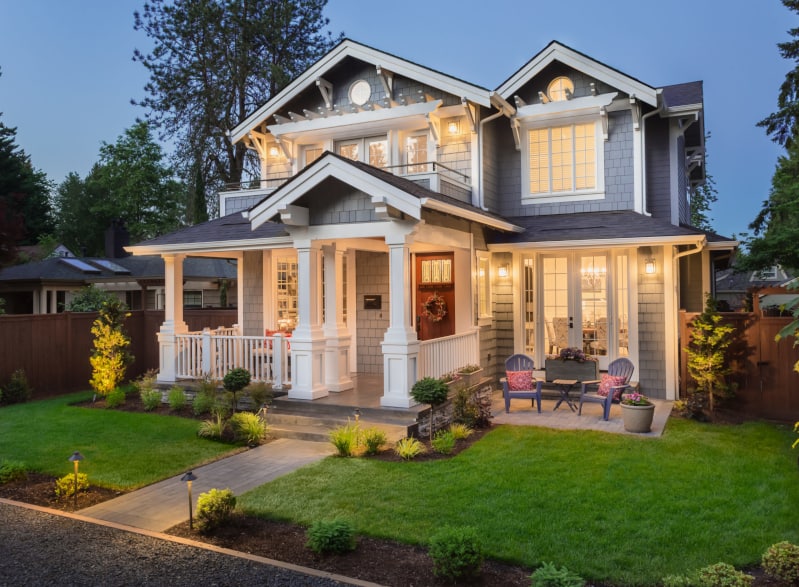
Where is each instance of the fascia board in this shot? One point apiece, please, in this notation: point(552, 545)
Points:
point(344, 172)
point(440, 206)
point(213, 246)
point(350, 48)
point(557, 52)
point(619, 243)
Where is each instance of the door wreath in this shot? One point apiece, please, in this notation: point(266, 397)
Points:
point(434, 308)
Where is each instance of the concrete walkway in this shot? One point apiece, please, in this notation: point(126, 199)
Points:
point(162, 505)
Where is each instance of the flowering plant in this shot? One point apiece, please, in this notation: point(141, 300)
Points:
point(572, 353)
point(635, 399)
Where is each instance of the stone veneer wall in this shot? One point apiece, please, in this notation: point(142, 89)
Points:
point(372, 274)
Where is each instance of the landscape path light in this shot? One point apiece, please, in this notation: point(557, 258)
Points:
point(76, 458)
point(188, 478)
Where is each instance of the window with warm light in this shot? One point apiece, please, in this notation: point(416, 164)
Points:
point(416, 153)
point(562, 159)
point(373, 150)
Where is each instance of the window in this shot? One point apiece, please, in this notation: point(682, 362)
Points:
point(562, 159)
point(560, 88)
point(311, 153)
point(373, 151)
point(192, 299)
point(286, 292)
point(416, 153)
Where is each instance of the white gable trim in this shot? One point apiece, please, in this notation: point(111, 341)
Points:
point(382, 61)
point(382, 193)
point(557, 52)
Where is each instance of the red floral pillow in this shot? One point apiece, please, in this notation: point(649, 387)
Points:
point(607, 383)
point(519, 380)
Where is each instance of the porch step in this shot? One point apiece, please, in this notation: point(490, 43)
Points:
point(319, 409)
point(317, 429)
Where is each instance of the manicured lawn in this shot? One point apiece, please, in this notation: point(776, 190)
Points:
point(612, 508)
point(122, 450)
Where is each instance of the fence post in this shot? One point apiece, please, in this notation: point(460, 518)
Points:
point(277, 361)
point(206, 351)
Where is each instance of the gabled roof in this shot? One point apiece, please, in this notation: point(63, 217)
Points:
point(385, 189)
point(349, 48)
point(563, 54)
point(589, 228)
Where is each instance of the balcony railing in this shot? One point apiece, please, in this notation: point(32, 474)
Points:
point(448, 353)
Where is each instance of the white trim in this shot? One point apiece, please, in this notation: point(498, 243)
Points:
point(569, 57)
point(597, 243)
point(671, 323)
point(349, 48)
point(584, 106)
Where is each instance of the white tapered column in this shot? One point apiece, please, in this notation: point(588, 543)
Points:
point(173, 318)
point(337, 338)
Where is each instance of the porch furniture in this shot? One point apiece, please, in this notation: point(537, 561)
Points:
point(564, 386)
point(615, 382)
point(519, 382)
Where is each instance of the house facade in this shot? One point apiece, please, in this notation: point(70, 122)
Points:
point(406, 223)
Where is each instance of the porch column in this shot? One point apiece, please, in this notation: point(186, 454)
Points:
point(337, 339)
point(173, 318)
point(400, 345)
point(308, 339)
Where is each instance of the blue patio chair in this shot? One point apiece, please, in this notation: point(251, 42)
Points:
point(621, 368)
point(516, 364)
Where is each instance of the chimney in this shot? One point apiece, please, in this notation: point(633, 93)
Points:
point(116, 237)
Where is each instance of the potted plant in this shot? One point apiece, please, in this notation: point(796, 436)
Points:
point(637, 412)
point(470, 374)
point(571, 363)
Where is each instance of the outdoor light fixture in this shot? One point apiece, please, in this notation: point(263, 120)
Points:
point(188, 478)
point(76, 458)
point(452, 127)
point(649, 266)
point(357, 414)
point(504, 270)
point(273, 152)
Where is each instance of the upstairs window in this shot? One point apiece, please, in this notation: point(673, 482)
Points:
point(562, 159)
point(373, 151)
point(416, 153)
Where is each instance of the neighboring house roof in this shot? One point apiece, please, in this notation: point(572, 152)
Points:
point(351, 49)
point(83, 270)
point(556, 51)
point(595, 227)
point(731, 280)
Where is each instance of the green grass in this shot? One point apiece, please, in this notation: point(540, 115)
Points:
point(612, 508)
point(122, 450)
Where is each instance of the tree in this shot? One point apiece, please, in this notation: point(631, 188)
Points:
point(78, 226)
point(110, 357)
point(135, 186)
point(25, 213)
point(432, 391)
point(214, 62)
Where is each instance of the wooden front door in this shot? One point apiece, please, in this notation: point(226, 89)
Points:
point(435, 295)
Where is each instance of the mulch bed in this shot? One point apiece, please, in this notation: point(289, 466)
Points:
point(39, 489)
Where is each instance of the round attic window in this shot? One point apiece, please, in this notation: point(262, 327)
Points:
point(560, 89)
point(360, 91)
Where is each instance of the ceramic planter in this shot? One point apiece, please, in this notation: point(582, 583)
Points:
point(637, 418)
point(571, 369)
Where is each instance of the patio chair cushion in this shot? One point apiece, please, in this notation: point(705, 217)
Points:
point(519, 380)
point(608, 382)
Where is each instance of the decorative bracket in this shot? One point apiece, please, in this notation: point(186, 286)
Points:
point(515, 127)
point(635, 107)
point(326, 89)
point(469, 114)
point(287, 147)
point(387, 79)
point(433, 124)
point(603, 116)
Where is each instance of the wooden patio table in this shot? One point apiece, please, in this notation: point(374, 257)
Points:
point(564, 386)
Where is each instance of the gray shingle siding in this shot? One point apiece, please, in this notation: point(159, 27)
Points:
point(372, 271)
point(239, 203)
point(651, 336)
point(253, 293)
point(682, 184)
point(658, 179)
point(340, 207)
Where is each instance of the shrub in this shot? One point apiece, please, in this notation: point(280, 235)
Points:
point(346, 439)
point(432, 391)
point(260, 394)
point(408, 448)
point(444, 442)
point(203, 403)
point(723, 575)
point(781, 561)
point(12, 471)
point(110, 357)
point(331, 537)
point(213, 428)
point(115, 399)
point(208, 386)
point(151, 399)
point(146, 381)
point(214, 508)
point(373, 440)
point(65, 486)
point(548, 575)
point(176, 398)
point(678, 581)
point(17, 390)
point(460, 431)
point(456, 553)
point(236, 379)
point(248, 427)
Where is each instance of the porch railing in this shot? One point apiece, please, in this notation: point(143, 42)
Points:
point(448, 353)
point(212, 354)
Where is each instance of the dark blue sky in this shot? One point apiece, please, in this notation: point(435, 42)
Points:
point(68, 78)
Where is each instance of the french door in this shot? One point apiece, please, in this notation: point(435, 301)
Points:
point(583, 302)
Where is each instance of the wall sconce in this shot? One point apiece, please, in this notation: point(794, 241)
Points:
point(649, 266)
point(453, 127)
point(504, 270)
point(274, 151)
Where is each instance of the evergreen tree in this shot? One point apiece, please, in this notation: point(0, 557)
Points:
point(216, 61)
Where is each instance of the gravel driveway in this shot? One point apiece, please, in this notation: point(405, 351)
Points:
point(38, 548)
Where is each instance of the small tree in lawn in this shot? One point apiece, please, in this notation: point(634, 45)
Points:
point(707, 355)
point(234, 381)
point(432, 391)
point(111, 356)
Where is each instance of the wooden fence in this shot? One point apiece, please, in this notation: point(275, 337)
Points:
point(768, 387)
point(54, 349)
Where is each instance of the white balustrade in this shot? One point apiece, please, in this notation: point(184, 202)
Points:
point(448, 353)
